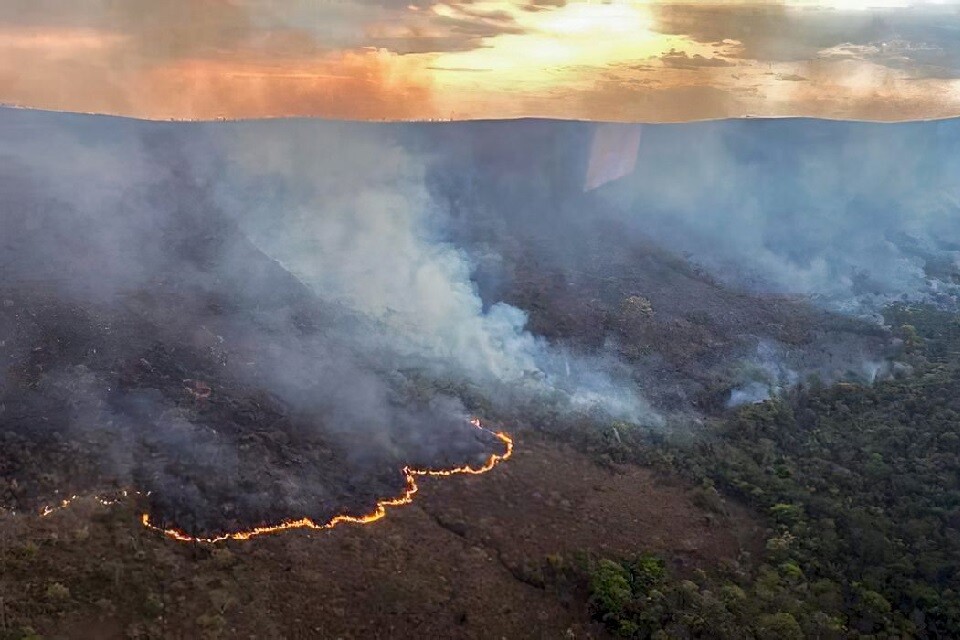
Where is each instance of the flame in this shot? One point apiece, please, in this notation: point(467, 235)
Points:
point(377, 514)
point(104, 500)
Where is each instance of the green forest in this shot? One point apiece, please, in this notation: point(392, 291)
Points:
point(859, 488)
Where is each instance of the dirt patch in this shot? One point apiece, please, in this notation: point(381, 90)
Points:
point(551, 499)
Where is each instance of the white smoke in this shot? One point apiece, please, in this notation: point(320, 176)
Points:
point(766, 374)
point(346, 209)
point(853, 215)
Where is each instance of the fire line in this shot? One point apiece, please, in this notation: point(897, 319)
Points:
point(377, 514)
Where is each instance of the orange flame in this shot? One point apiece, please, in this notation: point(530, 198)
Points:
point(104, 500)
point(378, 513)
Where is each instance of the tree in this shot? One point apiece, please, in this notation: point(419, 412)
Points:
point(779, 626)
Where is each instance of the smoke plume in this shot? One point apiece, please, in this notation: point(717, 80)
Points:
point(254, 321)
point(853, 215)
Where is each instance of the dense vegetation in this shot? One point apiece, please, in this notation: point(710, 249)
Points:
point(860, 487)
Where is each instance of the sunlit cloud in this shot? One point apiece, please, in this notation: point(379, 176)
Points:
point(574, 34)
point(59, 41)
point(379, 59)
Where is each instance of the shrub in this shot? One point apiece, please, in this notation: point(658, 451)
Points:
point(610, 592)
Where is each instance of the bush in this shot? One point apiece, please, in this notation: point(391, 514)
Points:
point(610, 592)
point(646, 572)
point(56, 592)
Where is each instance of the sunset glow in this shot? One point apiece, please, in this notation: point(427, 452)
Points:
point(639, 61)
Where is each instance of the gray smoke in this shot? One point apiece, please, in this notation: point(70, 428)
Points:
point(765, 374)
point(304, 260)
point(847, 216)
point(368, 280)
point(356, 222)
point(852, 215)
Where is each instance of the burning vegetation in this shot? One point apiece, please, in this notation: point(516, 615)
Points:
point(378, 513)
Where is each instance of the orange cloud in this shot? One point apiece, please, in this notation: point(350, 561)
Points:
point(367, 59)
point(58, 41)
point(366, 85)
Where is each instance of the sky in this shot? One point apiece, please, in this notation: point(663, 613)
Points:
point(648, 61)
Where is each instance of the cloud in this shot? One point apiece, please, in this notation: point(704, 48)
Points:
point(907, 38)
point(681, 60)
point(543, 5)
point(365, 85)
point(549, 57)
point(456, 27)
